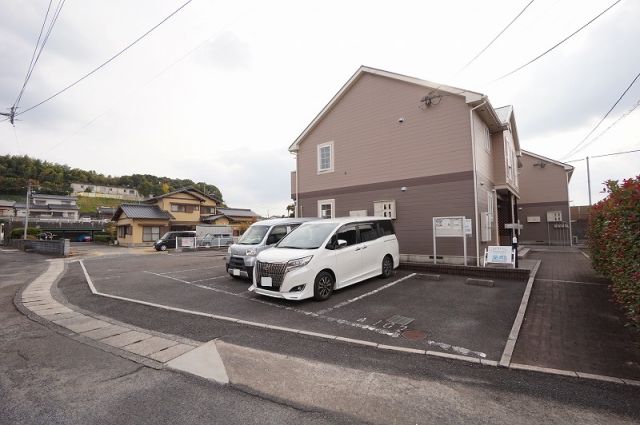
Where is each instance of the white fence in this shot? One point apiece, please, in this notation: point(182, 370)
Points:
point(206, 242)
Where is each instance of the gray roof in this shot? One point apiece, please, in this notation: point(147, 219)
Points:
point(236, 212)
point(504, 113)
point(142, 211)
point(7, 203)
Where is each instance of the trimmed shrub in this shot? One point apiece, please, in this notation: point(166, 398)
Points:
point(614, 241)
point(18, 232)
point(102, 238)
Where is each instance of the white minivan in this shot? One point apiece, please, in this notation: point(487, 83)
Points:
point(324, 255)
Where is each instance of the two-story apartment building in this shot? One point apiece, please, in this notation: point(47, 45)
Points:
point(544, 200)
point(144, 223)
point(49, 208)
point(393, 145)
point(101, 191)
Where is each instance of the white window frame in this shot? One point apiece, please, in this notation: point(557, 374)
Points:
point(487, 141)
point(331, 202)
point(331, 157)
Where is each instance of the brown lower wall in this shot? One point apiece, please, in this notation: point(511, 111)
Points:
point(543, 233)
point(415, 209)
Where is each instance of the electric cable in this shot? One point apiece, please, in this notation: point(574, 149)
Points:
point(33, 55)
point(580, 146)
point(495, 38)
point(557, 44)
point(603, 155)
point(107, 61)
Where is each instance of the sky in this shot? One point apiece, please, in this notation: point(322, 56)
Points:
point(219, 92)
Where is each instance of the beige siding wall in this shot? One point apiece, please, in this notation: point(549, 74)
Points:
point(483, 148)
point(542, 184)
point(415, 210)
point(371, 146)
point(499, 164)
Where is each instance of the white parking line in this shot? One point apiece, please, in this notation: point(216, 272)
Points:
point(190, 270)
point(573, 281)
point(375, 291)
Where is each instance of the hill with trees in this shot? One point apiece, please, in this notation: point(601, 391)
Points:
point(56, 179)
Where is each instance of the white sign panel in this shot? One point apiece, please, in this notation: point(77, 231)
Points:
point(468, 227)
point(499, 255)
point(187, 242)
point(448, 227)
point(554, 216)
point(533, 219)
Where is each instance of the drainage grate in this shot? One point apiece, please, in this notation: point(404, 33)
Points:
point(414, 335)
point(400, 320)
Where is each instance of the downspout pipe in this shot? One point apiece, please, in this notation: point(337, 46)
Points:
point(475, 180)
point(297, 203)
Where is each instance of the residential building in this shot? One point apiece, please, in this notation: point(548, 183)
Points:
point(144, 223)
point(544, 200)
point(396, 146)
point(238, 218)
point(7, 208)
point(49, 208)
point(105, 213)
point(100, 191)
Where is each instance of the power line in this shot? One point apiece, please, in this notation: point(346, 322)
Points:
point(33, 56)
point(495, 38)
point(108, 60)
point(577, 148)
point(606, 154)
point(623, 116)
point(557, 44)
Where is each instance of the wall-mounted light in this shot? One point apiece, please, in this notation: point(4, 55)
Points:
point(403, 189)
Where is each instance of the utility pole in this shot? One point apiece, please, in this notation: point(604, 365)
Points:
point(589, 180)
point(26, 217)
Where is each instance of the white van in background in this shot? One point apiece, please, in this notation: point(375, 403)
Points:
point(324, 255)
point(241, 256)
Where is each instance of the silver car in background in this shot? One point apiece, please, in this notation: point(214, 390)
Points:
point(241, 256)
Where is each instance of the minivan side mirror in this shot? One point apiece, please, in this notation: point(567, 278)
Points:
point(341, 243)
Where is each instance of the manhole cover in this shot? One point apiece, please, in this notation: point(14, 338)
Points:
point(400, 320)
point(414, 334)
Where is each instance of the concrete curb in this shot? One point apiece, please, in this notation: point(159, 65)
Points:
point(517, 324)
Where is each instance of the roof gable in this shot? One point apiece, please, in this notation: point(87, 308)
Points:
point(472, 98)
point(197, 194)
point(568, 168)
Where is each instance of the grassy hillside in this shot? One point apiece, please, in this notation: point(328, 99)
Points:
point(88, 205)
point(16, 198)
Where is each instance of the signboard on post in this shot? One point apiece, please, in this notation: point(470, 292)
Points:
point(450, 227)
point(499, 255)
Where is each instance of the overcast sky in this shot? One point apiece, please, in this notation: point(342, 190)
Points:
point(221, 90)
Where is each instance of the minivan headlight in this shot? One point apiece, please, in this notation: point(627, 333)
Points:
point(229, 250)
point(251, 251)
point(299, 262)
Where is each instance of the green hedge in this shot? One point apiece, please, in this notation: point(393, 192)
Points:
point(19, 231)
point(103, 238)
point(614, 241)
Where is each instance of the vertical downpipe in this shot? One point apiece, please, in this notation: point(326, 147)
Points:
point(297, 203)
point(475, 180)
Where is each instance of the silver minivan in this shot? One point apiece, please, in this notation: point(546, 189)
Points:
point(241, 256)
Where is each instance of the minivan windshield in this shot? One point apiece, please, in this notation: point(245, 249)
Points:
point(307, 236)
point(253, 235)
point(168, 235)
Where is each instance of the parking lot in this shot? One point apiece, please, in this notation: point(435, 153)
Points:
point(408, 310)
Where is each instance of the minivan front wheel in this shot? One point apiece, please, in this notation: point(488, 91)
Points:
point(323, 286)
point(163, 247)
point(387, 266)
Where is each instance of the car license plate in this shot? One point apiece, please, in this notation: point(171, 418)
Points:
point(266, 281)
point(235, 272)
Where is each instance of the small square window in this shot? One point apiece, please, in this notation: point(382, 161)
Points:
point(326, 208)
